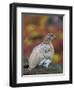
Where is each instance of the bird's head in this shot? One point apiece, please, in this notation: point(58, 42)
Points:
point(49, 37)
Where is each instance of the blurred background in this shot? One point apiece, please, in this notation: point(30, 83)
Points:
point(36, 27)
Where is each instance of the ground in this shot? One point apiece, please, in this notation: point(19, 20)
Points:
point(52, 69)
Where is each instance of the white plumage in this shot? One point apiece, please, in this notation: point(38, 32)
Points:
point(41, 54)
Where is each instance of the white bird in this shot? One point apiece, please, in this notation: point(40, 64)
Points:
point(42, 54)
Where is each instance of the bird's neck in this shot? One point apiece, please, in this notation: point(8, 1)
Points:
point(46, 42)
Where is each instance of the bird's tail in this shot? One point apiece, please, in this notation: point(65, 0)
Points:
point(26, 66)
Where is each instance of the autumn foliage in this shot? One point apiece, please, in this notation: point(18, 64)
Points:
point(35, 27)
